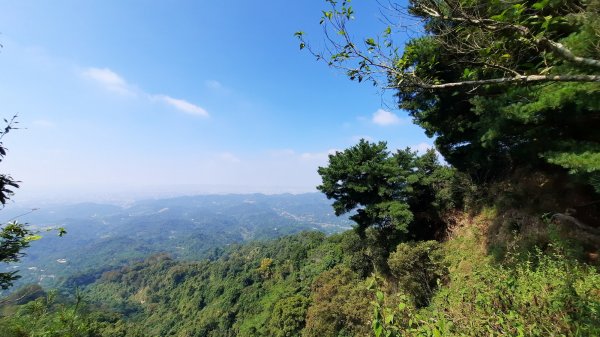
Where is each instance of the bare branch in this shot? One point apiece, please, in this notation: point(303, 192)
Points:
point(568, 55)
point(492, 65)
point(506, 80)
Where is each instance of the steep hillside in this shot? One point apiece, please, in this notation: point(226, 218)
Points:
point(312, 285)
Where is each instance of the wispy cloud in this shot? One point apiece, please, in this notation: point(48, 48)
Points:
point(421, 147)
point(182, 105)
point(228, 157)
point(109, 80)
point(318, 156)
point(289, 154)
point(112, 81)
point(213, 84)
point(386, 118)
point(281, 153)
point(217, 87)
point(44, 123)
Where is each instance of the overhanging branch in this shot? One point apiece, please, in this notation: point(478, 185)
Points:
point(462, 17)
point(568, 55)
point(505, 80)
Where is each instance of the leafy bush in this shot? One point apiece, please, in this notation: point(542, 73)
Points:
point(45, 316)
point(287, 318)
point(545, 295)
point(418, 269)
point(340, 305)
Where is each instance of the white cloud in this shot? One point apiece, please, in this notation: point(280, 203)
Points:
point(183, 105)
point(315, 157)
point(109, 80)
point(112, 81)
point(320, 157)
point(421, 147)
point(217, 87)
point(385, 118)
point(212, 84)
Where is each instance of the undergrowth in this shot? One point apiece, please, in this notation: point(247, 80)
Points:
point(529, 289)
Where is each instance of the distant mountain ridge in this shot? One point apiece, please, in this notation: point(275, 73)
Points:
point(102, 236)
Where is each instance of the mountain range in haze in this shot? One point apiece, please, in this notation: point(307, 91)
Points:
point(103, 236)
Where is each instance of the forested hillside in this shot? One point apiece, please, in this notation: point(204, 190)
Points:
point(495, 232)
point(102, 237)
point(313, 285)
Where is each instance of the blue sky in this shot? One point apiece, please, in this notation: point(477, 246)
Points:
point(141, 98)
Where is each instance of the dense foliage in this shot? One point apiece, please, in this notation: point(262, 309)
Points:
point(536, 294)
point(402, 192)
point(261, 289)
point(305, 285)
point(501, 85)
point(505, 87)
point(492, 129)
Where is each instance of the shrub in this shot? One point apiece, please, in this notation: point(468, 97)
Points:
point(545, 295)
point(418, 268)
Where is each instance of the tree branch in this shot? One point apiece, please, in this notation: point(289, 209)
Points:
point(490, 24)
point(568, 55)
point(577, 223)
point(492, 65)
point(506, 80)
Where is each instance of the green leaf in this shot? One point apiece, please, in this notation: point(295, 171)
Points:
point(371, 283)
point(547, 22)
point(540, 4)
point(32, 238)
point(377, 328)
point(379, 296)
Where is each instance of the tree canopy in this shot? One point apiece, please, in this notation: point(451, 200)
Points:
point(401, 192)
point(501, 85)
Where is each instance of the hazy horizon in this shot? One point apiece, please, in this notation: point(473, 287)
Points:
point(115, 102)
point(123, 196)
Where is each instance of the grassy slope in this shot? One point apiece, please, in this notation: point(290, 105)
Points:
point(505, 281)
